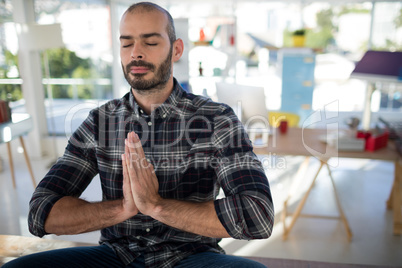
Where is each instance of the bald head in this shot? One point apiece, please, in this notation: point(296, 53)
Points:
point(151, 7)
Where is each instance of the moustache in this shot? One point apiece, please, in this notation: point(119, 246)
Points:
point(140, 63)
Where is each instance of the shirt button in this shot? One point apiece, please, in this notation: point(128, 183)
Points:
point(138, 237)
point(149, 123)
point(141, 111)
point(148, 230)
point(164, 115)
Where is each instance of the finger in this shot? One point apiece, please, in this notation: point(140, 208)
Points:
point(137, 145)
point(148, 168)
point(127, 191)
point(128, 144)
point(134, 144)
point(130, 171)
point(127, 187)
point(126, 180)
point(151, 170)
point(130, 153)
point(145, 165)
point(125, 160)
point(137, 153)
point(123, 164)
point(126, 165)
point(130, 168)
point(132, 139)
point(126, 151)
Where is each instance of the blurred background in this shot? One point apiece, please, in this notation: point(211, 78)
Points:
point(60, 58)
point(231, 41)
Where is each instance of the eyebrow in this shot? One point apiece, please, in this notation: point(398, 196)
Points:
point(143, 36)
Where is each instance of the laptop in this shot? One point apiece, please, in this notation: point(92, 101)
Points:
point(248, 102)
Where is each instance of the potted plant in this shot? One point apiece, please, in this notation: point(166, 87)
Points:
point(299, 37)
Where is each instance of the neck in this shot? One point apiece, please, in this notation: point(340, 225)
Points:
point(152, 99)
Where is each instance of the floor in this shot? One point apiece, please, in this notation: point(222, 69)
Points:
point(363, 186)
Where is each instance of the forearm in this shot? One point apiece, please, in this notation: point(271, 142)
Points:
point(249, 215)
point(197, 218)
point(72, 215)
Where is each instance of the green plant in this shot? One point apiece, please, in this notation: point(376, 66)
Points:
point(299, 32)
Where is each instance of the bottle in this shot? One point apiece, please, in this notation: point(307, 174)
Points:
point(202, 35)
point(200, 68)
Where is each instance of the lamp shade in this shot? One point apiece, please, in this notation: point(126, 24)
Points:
point(377, 66)
point(40, 37)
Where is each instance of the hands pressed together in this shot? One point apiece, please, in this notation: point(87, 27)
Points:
point(140, 190)
point(140, 184)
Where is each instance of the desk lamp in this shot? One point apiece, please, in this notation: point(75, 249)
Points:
point(377, 66)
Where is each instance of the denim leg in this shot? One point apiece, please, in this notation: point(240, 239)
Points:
point(215, 260)
point(96, 256)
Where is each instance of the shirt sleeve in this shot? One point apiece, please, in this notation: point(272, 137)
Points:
point(247, 210)
point(69, 176)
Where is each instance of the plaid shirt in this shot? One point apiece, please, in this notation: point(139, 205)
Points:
point(197, 148)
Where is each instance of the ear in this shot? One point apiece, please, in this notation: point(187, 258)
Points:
point(178, 48)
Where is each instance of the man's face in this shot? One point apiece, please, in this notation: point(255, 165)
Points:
point(145, 50)
point(136, 77)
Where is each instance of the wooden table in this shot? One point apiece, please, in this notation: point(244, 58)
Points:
point(20, 125)
point(309, 142)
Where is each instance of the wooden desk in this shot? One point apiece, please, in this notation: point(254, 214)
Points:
point(20, 125)
point(307, 142)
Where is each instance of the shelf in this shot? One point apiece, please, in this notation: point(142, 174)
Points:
point(202, 43)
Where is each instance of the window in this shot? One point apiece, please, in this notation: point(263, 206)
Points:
point(387, 35)
point(80, 72)
point(10, 81)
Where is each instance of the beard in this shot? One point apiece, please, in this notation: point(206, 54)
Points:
point(162, 74)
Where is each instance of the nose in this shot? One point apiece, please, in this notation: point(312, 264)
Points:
point(136, 52)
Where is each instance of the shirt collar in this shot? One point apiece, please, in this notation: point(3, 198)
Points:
point(166, 108)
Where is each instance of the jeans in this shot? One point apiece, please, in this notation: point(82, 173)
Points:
point(103, 256)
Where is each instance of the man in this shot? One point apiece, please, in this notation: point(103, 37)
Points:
point(162, 155)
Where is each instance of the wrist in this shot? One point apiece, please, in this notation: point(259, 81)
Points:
point(157, 207)
point(121, 210)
